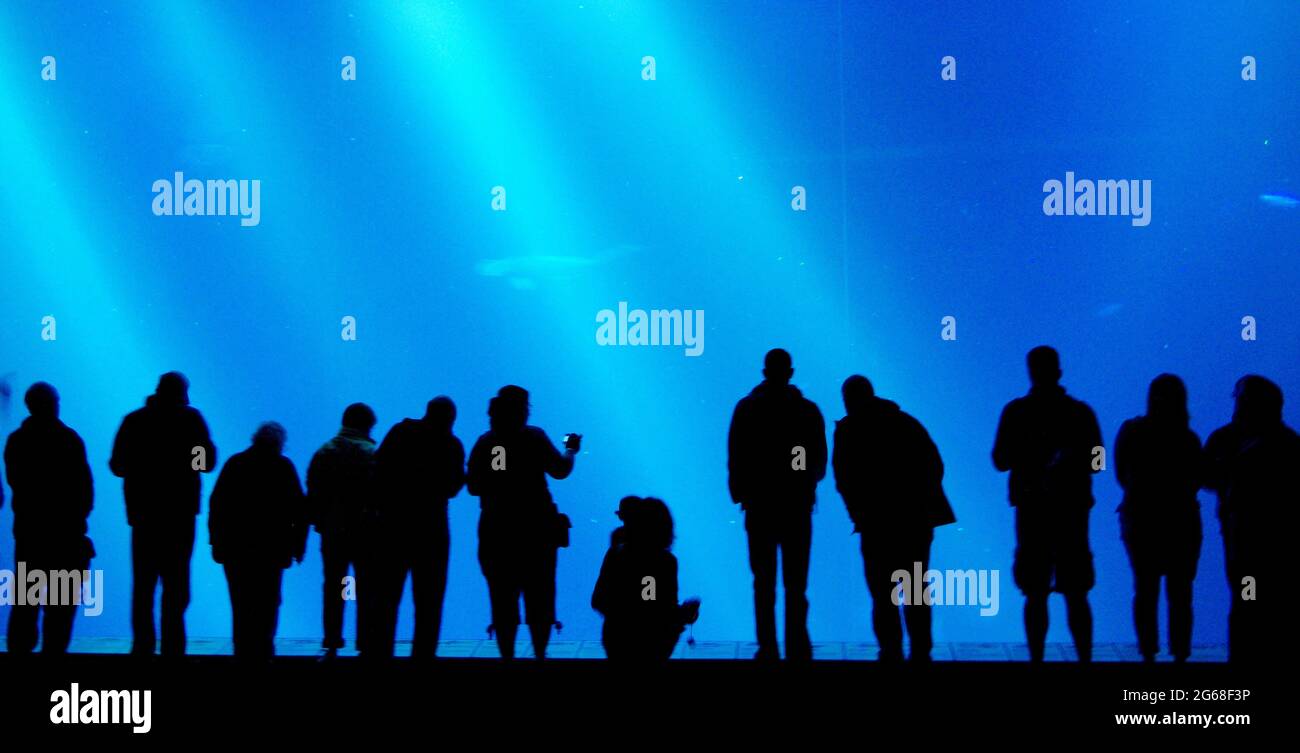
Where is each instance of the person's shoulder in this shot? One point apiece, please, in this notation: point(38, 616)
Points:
point(1081, 408)
point(235, 462)
point(137, 415)
point(1016, 405)
point(1222, 434)
point(71, 436)
point(907, 419)
point(327, 448)
point(400, 431)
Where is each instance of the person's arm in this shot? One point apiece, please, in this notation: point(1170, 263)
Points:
point(1094, 439)
point(600, 599)
point(929, 456)
point(687, 612)
point(668, 591)
point(1196, 470)
point(297, 502)
point(14, 470)
point(1005, 453)
point(454, 472)
point(838, 467)
point(475, 469)
point(817, 453)
point(1123, 440)
point(846, 475)
point(217, 512)
point(312, 505)
point(558, 464)
point(1214, 459)
point(205, 441)
point(84, 481)
point(737, 460)
point(120, 461)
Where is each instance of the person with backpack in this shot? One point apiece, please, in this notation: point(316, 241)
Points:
point(891, 477)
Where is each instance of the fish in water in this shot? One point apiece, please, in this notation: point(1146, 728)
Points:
point(523, 272)
point(1279, 200)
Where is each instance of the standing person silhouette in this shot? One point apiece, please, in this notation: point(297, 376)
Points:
point(1051, 444)
point(340, 496)
point(53, 495)
point(776, 455)
point(520, 528)
point(636, 590)
point(159, 452)
point(1158, 464)
point(1252, 464)
point(419, 467)
point(891, 477)
point(257, 525)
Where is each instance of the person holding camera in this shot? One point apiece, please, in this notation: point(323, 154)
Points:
point(520, 528)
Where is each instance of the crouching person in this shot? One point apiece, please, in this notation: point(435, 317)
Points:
point(637, 588)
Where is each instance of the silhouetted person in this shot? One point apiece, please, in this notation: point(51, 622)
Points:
point(776, 454)
point(159, 452)
point(1047, 440)
point(1251, 463)
point(520, 528)
point(419, 466)
point(1158, 463)
point(891, 477)
point(340, 497)
point(53, 495)
point(642, 617)
point(257, 525)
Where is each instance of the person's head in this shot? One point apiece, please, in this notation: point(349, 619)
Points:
point(650, 524)
point(359, 417)
point(1259, 402)
point(778, 366)
point(1044, 366)
point(42, 400)
point(270, 437)
point(173, 388)
point(1167, 400)
point(858, 394)
point(440, 413)
point(508, 411)
point(627, 508)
